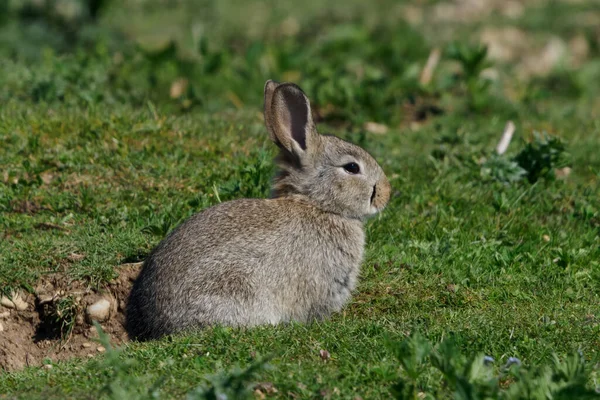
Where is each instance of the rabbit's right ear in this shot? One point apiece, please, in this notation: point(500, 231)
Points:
point(288, 118)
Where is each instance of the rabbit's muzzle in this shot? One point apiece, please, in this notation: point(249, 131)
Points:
point(381, 194)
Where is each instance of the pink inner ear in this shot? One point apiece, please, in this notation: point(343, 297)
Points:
point(296, 117)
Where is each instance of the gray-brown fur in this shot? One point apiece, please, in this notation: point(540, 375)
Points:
point(294, 257)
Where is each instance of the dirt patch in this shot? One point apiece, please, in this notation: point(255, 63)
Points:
point(26, 207)
point(418, 111)
point(56, 323)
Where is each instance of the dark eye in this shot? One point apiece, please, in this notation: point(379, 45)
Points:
point(352, 168)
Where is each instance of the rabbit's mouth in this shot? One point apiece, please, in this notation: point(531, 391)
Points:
point(373, 195)
point(373, 209)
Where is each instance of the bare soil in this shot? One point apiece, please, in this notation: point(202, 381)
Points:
point(39, 335)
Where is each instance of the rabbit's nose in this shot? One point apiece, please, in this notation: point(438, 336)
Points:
point(381, 193)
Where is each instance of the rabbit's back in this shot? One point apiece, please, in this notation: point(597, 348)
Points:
point(247, 262)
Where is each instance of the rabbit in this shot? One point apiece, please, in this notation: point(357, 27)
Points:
point(292, 257)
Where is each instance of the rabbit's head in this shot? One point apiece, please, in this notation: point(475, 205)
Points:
point(338, 176)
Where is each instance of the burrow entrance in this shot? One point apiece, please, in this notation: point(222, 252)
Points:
point(55, 323)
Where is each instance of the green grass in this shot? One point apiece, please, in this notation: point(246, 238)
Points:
point(98, 159)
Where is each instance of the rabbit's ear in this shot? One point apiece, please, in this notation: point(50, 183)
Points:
point(270, 87)
point(289, 119)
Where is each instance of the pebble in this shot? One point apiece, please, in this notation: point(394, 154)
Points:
point(1, 327)
point(101, 349)
point(99, 311)
point(6, 302)
point(15, 303)
point(563, 172)
point(20, 304)
point(86, 345)
point(45, 298)
point(91, 332)
point(374, 127)
point(4, 314)
point(47, 366)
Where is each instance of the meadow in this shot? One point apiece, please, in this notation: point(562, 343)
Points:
point(481, 279)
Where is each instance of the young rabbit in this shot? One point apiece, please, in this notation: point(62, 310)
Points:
point(294, 257)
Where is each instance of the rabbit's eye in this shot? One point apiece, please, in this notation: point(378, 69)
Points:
point(352, 168)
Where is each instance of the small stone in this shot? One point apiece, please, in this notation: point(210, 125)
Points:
point(178, 88)
point(43, 299)
point(44, 287)
point(90, 356)
point(1, 327)
point(20, 304)
point(79, 320)
point(86, 345)
point(48, 366)
point(15, 303)
point(562, 173)
point(6, 302)
point(91, 332)
point(376, 128)
point(4, 315)
point(546, 238)
point(99, 311)
point(100, 349)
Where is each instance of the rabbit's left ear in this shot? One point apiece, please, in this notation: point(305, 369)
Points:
point(270, 87)
point(288, 118)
